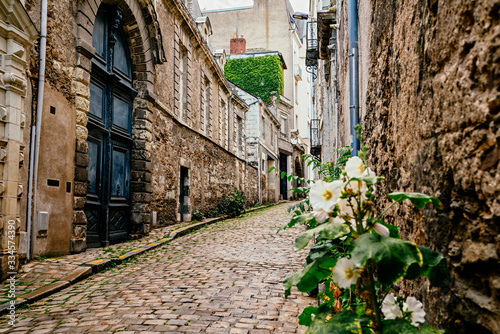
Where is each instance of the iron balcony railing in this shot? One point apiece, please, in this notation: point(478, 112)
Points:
point(312, 51)
point(315, 133)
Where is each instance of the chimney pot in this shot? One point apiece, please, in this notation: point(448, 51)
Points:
point(238, 46)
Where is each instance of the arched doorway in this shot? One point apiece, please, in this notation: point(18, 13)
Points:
point(109, 132)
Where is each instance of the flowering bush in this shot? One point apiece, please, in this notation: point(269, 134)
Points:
point(359, 257)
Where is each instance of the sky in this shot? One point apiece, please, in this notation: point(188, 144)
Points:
point(298, 5)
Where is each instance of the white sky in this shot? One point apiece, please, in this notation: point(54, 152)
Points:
point(298, 5)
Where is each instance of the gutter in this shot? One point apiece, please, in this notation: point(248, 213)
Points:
point(36, 129)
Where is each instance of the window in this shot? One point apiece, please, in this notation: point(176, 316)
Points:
point(205, 104)
point(182, 81)
point(272, 136)
point(264, 129)
point(222, 123)
point(239, 123)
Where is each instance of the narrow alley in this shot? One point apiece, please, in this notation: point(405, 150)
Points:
point(224, 278)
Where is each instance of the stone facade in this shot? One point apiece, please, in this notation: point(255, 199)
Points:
point(429, 107)
point(187, 149)
point(17, 33)
point(268, 26)
point(261, 137)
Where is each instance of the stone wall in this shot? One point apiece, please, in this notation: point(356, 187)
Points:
point(163, 142)
point(213, 172)
point(432, 121)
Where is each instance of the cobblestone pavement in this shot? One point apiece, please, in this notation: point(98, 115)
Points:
point(225, 278)
point(44, 271)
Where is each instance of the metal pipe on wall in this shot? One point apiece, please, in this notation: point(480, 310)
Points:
point(352, 12)
point(35, 144)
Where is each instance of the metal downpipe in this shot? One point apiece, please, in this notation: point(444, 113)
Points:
point(35, 149)
point(353, 73)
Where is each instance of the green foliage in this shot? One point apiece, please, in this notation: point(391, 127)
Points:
point(324, 231)
point(393, 256)
point(329, 170)
point(417, 199)
point(198, 215)
point(260, 76)
point(357, 255)
point(341, 323)
point(400, 326)
point(233, 205)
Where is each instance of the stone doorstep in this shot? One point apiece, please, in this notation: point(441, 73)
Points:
point(99, 265)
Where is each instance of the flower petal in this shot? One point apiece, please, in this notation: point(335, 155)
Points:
point(354, 167)
point(381, 229)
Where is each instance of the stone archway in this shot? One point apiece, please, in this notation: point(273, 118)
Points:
point(143, 35)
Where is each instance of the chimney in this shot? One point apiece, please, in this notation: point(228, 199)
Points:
point(238, 46)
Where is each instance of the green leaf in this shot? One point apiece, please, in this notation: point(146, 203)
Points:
point(308, 278)
point(271, 169)
point(393, 230)
point(314, 275)
point(393, 256)
point(295, 279)
point(320, 249)
point(330, 231)
point(419, 200)
point(306, 317)
point(369, 180)
point(299, 219)
point(282, 175)
point(343, 322)
point(314, 313)
point(434, 267)
point(401, 326)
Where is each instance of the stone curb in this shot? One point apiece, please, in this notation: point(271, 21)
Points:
point(98, 265)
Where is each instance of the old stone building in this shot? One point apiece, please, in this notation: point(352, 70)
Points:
point(261, 137)
point(137, 125)
point(267, 26)
point(429, 106)
point(17, 34)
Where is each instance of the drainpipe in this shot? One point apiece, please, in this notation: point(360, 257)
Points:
point(353, 73)
point(35, 144)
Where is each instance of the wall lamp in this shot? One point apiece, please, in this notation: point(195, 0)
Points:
point(300, 16)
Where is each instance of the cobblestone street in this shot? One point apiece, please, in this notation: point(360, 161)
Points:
point(225, 278)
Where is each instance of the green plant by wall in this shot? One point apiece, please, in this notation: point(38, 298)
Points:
point(260, 76)
point(233, 205)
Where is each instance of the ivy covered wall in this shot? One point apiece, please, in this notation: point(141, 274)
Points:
point(260, 76)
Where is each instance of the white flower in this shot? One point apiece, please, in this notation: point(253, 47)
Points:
point(390, 308)
point(354, 167)
point(337, 220)
point(344, 273)
point(417, 312)
point(324, 195)
point(381, 229)
point(368, 172)
point(320, 215)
